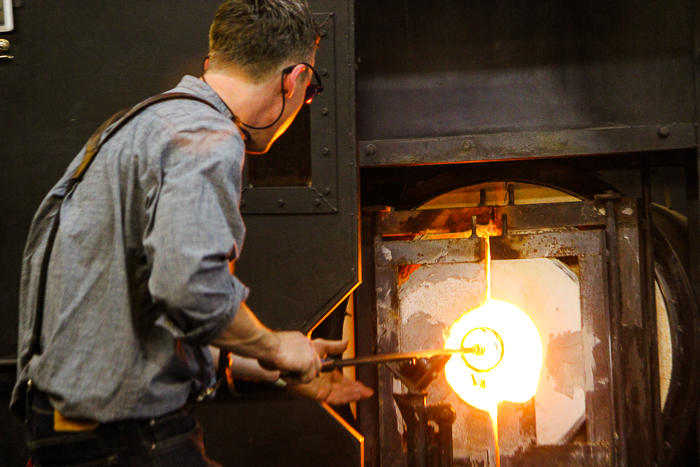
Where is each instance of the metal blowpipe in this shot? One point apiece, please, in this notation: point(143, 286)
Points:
point(329, 364)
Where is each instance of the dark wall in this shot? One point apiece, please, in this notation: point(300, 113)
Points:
point(456, 68)
point(76, 63)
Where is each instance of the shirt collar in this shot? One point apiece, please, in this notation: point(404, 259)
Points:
point(199, 88)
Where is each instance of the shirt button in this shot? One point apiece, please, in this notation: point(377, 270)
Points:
point(153, 446)
point(152, 422)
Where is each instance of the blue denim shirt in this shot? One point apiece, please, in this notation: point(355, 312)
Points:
point(139, 281)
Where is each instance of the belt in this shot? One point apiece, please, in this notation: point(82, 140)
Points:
point(41, 403)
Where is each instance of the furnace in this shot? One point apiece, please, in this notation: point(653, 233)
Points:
point(551, 261)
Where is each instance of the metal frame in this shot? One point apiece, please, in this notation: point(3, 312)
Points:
point(693, 180)
point(321, 197)
point(619, 427)
point(527, 144)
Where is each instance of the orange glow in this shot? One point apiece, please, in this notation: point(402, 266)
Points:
point(515, 378)
point(509, 367)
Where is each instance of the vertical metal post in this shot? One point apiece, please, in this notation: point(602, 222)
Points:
point(693, 181)
point(386, 284)
point(649, 312)
point(444, 415)
point(366, 343)
point(615, 303)
point(415, 414)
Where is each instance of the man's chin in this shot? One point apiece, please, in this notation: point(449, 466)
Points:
point(255, 150)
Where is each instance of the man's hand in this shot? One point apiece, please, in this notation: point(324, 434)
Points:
point(333, 388)
point(291, 353)
point(296, 358)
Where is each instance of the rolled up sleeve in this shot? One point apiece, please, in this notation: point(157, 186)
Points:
point(195, 230)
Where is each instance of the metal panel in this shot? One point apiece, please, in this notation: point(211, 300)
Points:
point(468, 68)
point(562, 456)
point(526, 145)
point(693, 184)
point(321, 196)
point(75, 63)
point(301, 264)
point(519, 217)
point(545, 245)
point(271, 430)
point(431, 251)
point(595, 321)
point(391, 453)
point(637, 380)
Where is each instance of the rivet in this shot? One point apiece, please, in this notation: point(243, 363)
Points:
point(325, 151)
point(466, 144)
point(370, 149)
point(153, 446)
point(242, 202)
point(323, 33)
point(324, 111)
point(4, 45)
point(323, 71)
point(326, 191)
point(317, 202)
point(280, 202)
point(664, 132)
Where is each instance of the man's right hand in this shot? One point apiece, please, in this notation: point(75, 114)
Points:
point(291, 353)
point(296, 358)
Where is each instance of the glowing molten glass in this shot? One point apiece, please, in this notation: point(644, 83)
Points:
point(515, 377)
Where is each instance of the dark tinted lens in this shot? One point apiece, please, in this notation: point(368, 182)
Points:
point(312, 91)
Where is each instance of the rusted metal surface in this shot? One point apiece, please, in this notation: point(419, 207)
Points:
point(526, 145)
point(546, 245)
point(651, 341)
point(520, 217)
point(562, 456)
point(615, 307)
point(444, 415)
point(391, 453)
point(637, 374)
point(595, 328)
point(467, 250)
point(415, 415)
point(366, 344)
point(433, 221)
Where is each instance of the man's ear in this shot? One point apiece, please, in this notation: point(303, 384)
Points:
point(295, 81)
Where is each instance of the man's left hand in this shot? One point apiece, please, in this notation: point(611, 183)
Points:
point(333, 388)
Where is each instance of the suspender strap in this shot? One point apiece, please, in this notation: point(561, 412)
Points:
point(94, 144)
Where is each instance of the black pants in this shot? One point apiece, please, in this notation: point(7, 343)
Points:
point(174, 439)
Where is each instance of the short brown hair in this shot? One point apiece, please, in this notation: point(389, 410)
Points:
point(261, 35)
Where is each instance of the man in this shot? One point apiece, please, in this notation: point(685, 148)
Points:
point(138, 281)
